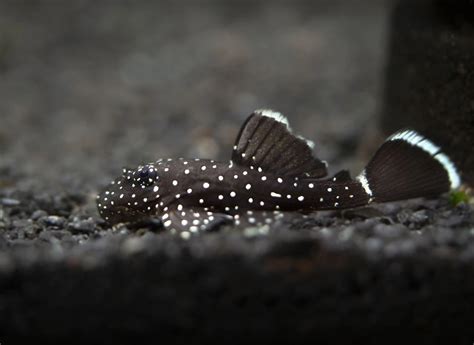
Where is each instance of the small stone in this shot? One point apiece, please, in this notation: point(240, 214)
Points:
point(419, 218)
point(374, 244)
point(133, 245)
point(82, 226)
point(9, 202)
point(45, 235)
point(389, 231)
point(413, 219)
point(53, 221)
point(38, 214)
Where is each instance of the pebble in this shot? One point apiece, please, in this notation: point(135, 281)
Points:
point(9, 202)
point(133, 245)
point(53, 221)
point(389, 231)
point(82, 226)
point(38, 214)
point(420, 218)
point(412, 219)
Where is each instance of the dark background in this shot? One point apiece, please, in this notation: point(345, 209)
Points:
point(87, 87)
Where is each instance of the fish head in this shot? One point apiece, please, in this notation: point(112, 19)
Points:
point(131, 197)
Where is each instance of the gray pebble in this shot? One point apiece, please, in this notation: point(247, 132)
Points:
point(412, 219)
point(45, 235)
point(38, 214)
point(419, 218)
point(389, 231)
point(9, 202)
point(53, 221)
point(82, 226)
point(374, 244)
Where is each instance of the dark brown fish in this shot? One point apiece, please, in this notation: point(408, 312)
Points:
point(272, 171)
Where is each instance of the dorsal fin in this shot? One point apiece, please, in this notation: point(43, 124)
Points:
point(266, 141)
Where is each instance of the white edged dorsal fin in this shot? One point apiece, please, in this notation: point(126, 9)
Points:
point(266, 141)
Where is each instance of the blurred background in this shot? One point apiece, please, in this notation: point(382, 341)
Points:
point(87, 87)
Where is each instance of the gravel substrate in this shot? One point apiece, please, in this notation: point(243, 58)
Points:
point(91, 87)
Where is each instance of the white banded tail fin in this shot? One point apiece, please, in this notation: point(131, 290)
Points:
point(408, 166)
point(416, 139)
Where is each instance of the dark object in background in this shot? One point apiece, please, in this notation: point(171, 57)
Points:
point(430, 75)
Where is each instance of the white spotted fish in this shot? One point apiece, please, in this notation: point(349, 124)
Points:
point(272, 171)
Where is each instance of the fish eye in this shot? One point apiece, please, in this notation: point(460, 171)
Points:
point(147, 174)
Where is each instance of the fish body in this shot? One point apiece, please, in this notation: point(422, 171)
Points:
point(271, 171)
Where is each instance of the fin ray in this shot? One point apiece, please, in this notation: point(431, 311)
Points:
point(408, 166)
point(266, 141)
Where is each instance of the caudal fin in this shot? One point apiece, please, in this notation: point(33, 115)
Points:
point(408, 166)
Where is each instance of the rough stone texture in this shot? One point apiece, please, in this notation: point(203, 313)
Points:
point(89, 87)
point(430, 75)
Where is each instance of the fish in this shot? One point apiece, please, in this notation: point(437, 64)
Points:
point(272, 171)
